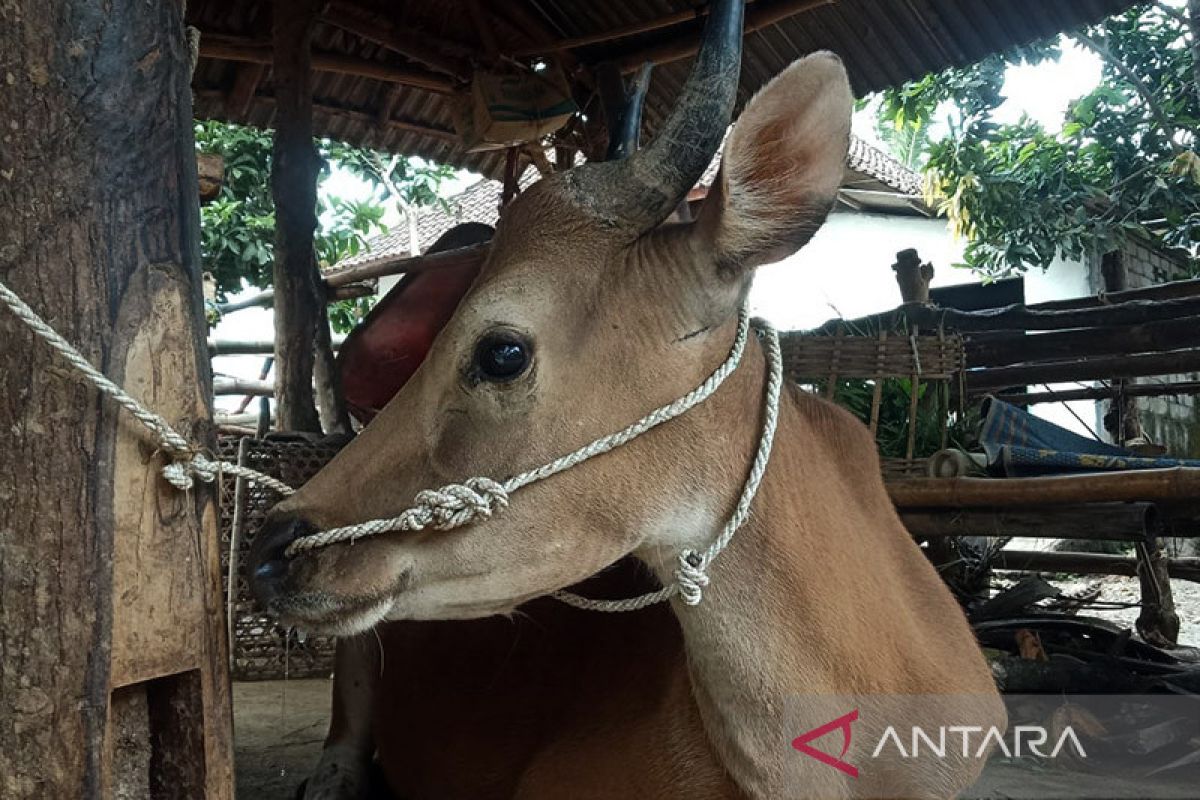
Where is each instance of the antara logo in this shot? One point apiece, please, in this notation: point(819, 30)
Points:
point(975, 741)
point(842, 723)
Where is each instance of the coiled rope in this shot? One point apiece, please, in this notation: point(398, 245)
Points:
point(456, 505)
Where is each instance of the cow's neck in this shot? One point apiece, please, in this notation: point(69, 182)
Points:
point(748, 642)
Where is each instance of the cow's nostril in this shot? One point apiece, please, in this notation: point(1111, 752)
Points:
point(268, 555)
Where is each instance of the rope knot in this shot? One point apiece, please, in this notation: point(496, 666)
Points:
point(692, 577)
point(457, 504)
point(179, 473)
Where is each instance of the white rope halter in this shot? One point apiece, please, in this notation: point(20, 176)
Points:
point(456, 505)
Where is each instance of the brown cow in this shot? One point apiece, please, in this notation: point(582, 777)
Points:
point(586, 316)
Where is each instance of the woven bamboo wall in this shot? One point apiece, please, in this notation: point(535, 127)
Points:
point(259, 648)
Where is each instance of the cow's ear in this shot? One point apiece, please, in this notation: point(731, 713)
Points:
point(782, 166)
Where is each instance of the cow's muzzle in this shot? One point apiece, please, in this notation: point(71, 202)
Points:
point(270, 568)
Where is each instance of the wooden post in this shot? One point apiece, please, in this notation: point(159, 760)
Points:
point(299, 297)
point(912, 276)
point(1157, 623)
point(113, 679)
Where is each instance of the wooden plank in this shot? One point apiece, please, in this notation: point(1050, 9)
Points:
point(1130, 522)
point(1174, 483)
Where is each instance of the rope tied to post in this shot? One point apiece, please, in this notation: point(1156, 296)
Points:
point(186, 463)
point(455, 505)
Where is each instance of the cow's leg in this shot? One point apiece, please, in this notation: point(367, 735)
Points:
point(344, 771)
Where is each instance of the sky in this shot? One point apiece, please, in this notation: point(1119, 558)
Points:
point(1042, 92)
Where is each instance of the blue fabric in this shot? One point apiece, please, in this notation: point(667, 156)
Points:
point(1018, 443)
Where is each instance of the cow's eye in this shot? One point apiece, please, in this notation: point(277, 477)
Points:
point(501, 357)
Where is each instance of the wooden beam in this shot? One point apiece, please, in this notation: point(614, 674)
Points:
point(484, 28)
point(979, 381)
point(404, 264)
point(1173, 290)
point(1002, 350)
point(1179, 388)
point(1175, 483)
point(266, 299)
point(1019, 317)
point(355, 115)
point(295, 165)
point(245, 84)
point(614, 34)
point(232, 48)
point(1128, 522)
point(387, 106)
point(684, 46)
point(1187, 569)
point(531, 25)
point(417, 45)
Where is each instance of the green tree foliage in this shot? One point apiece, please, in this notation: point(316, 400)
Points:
point(1124, 162)
point(238, 227)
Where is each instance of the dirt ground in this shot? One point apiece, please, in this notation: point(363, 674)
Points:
point(277, 735)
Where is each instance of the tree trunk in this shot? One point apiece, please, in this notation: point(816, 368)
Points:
point(1193, 12)
point(112, 662)
point(299, 294)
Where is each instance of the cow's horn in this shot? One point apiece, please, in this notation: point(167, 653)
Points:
point(642, 190)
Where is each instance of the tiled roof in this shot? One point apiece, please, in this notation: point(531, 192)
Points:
point(481, 202)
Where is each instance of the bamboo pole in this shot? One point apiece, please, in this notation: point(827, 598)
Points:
point(235, 347)
point(227, 385)
point(1173, 483)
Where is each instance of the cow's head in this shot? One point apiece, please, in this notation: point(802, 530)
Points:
point(586, 315)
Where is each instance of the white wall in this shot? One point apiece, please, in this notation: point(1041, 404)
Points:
point(845, 271)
